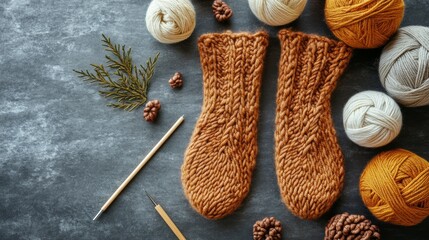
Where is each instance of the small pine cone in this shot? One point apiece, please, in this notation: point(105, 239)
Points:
point(267, 229)
point(221, 10)
point(348, 227)
point(150, 112)
point(176, 81)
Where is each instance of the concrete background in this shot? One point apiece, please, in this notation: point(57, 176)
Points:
point(63, 152)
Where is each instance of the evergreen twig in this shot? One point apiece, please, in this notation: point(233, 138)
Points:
point(130, 89)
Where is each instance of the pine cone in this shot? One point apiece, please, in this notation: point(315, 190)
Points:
point(221, 10)
point(348, 227)
point(267, 229)
point(150, 112)
point(176, 81)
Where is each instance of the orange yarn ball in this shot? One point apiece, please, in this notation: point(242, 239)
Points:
point(364, 23)
point(395, 187)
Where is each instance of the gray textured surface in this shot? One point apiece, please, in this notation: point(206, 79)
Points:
point(63, 152)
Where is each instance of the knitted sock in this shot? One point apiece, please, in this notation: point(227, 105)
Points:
point(221, 155)
point(309, 162)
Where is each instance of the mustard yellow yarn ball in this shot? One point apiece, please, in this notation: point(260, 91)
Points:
point(395, 187)
point(364, 23)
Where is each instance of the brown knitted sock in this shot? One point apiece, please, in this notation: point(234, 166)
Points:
point(309, 162)
point(220, 158)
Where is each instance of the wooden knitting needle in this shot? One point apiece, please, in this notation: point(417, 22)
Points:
point(166, 218)
point(137, 169)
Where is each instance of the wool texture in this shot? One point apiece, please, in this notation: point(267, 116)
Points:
point(277, 12)
point(404, 66)
point(394, 186)
point(364, 23)
point(221, 155)
point(309, 161)
point(372, 119)
point(170, 21)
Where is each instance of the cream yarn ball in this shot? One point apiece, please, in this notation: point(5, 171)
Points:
point(277, 12)
point(404, 66)
point(170, 21)
point(372, 119)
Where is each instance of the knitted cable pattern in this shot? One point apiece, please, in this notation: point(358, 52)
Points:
point(221, 155)
point(309, 161)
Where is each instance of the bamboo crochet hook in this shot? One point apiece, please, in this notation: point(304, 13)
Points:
point(137, 169)
point(166, 218)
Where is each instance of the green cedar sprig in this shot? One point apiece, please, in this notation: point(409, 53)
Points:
point(130, 89)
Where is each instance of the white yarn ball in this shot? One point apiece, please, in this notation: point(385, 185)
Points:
point(277, 12)
point(372, 119)
point(170, 21)
point(404, 66)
